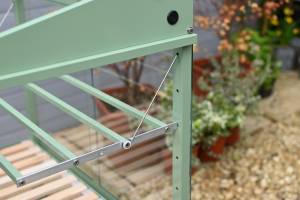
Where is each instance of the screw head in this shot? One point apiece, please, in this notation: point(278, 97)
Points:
point(21, 183)
point(166, 128)
point(76, 162)
point(190, 30)
point(101, 153)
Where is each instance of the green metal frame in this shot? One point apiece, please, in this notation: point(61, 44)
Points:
point(85, 34)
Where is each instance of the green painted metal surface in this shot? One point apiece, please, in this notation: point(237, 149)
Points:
point(9, 169)
point(56, 69)
point(64, 2)
point(91, 33)
point(112, 101)
point(182, 114)
point(68, 109)
point(20, 15)
point(38, 132)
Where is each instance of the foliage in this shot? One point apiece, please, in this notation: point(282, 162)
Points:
point(231, 97)
point(281, 25)
point(257, 50)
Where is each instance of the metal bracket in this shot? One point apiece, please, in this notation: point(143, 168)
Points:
point(104, 151)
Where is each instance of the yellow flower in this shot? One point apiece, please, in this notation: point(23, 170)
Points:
point(296, 31)
point(274, 20)
point(287, 11)
point(289, 20)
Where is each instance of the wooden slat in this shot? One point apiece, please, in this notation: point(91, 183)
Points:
point(13, 190)
point(29, 158)
point(23, 154)
point(46, 190)
point(16, 148)
point(5, 181)
point(88, 196)
point(28, 162)
point(68, 193)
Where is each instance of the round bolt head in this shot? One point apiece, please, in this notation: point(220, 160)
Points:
point(76, 162)
point(126, 145)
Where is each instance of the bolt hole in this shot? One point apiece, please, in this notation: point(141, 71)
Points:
point(177, 188)
point(177, 90)
point(176, 157)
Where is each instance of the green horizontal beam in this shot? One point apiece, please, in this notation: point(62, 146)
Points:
point(112, 101)
point(64, 2)
point(9, 169)
point(70, 110)
point(37, 131)
point(78, 64)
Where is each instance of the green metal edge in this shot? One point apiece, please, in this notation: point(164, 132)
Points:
point(89, 62)
point(9, 169)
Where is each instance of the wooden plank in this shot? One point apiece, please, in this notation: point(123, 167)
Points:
point(29, 158)
point(13, 190)
point(46, 190)
point(88, 196)
point(68, 193)
point(5, 181)
point(23, 154)
point(16, 148)
point(28, 162)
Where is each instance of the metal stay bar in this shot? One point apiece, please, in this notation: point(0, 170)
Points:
point(98, 153)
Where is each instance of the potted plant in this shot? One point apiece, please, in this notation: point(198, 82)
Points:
point(218, 116)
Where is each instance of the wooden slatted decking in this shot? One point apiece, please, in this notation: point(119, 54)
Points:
point(118, 172)
point(27, 158)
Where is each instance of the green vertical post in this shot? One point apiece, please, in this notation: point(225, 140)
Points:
point(19, 8)
point(182, 97)
point(31, 108)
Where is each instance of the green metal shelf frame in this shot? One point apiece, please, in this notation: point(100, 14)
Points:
point(91, 45)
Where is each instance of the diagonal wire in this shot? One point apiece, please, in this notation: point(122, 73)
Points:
point(154, 97)
point(6, 14)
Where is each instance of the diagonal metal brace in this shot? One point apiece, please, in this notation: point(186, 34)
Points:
point(104, 151)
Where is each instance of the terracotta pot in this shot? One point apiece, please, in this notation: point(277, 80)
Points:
point(212, 153)
point(234, 136)
point(201, 68)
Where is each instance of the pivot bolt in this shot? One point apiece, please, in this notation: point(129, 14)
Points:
point(126, 145)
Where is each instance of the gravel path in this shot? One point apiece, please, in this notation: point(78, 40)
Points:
point(264, 165)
